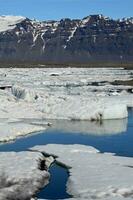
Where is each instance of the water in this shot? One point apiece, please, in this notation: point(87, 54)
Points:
point(119, 142)
point(56, 189)
point(114, 136)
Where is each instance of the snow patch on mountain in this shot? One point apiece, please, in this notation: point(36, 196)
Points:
point(72, 34)
point(85, 21)
point(9, 22)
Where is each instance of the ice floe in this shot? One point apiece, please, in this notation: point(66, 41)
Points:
point(85, 108)
point(20, 175)
point(11, 130)
point(93, 175)
point(18, 118)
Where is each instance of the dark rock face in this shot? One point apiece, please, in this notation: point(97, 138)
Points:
point(94, 38)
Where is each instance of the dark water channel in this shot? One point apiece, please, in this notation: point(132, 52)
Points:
point(56, 189)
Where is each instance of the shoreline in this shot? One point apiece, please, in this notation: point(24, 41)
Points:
point(124, 65)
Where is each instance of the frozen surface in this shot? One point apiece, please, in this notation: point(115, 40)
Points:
point(94, 175)
point(85, 108)
point(18, 118)
point(71, 94)
point(33, 95)
point(11, 130)
point(20, 176)
point(9, 22)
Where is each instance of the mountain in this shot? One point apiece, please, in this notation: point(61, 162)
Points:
point(94, 38)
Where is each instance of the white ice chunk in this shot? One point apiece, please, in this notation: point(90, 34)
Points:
point(20, 176)
point(11, 131)
point(94, 175)
point(83, 108)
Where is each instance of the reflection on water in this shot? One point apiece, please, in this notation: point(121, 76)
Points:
point(97, 128)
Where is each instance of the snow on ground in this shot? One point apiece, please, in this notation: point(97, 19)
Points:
point(72, 94)
point(85, 108)
point(94, 175)
point(9, 22)
point(17, 117)
point(65, 79)
point(20, 176)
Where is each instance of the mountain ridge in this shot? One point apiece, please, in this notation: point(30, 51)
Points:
point(93, 38)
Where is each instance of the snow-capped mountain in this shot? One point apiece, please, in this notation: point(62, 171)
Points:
point(94, 38)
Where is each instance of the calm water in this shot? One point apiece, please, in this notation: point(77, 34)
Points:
point(114, 136)
point(119, 142)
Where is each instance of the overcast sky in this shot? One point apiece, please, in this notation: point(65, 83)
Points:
point(57, 9)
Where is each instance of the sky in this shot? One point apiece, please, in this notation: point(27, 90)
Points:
point(57, 9)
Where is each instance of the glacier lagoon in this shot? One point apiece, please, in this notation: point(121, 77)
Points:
point(118, 142)
point(39, 96)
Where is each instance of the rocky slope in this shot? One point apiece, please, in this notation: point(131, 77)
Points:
point(94, 38)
